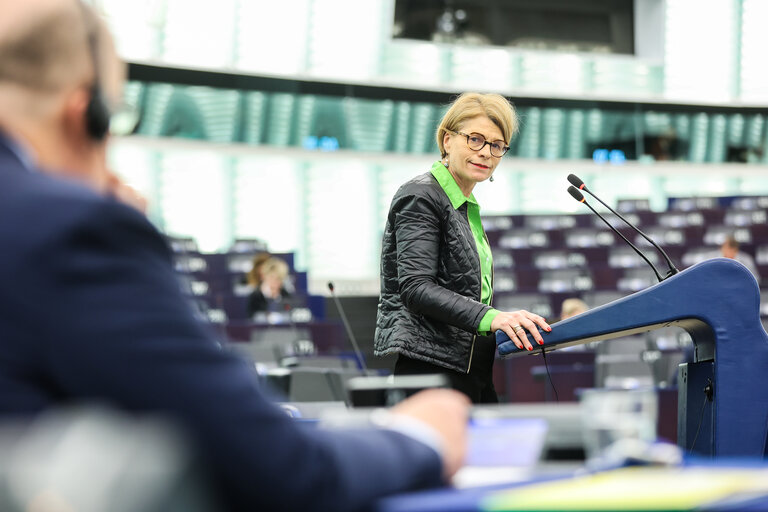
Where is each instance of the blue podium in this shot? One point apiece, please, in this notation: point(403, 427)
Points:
point(723, 394)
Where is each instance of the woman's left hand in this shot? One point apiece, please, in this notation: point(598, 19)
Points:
point(515, 323)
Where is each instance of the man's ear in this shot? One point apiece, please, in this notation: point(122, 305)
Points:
point(73, 117)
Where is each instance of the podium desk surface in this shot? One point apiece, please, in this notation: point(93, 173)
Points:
point(721, 486)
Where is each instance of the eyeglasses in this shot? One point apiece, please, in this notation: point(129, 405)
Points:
point(476, 142)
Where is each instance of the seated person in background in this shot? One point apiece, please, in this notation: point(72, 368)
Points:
point(270, 294)
point(730, 249)
point(572, 307)
point(104, 319)
point(253, 277)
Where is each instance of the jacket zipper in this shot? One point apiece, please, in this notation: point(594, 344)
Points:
point(471, 352)
point(481, 272)
point(480, 262)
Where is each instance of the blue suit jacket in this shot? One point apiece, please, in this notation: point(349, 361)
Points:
point(90, 310)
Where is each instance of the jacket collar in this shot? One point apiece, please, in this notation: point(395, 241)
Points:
point(449, 185)
point(13, 149)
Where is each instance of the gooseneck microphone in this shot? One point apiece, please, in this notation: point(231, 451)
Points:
point(576, 182)
point(580, 198)
point(344, 320)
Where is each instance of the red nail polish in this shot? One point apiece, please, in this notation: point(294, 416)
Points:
point(530, 348)
point(541, 342)
point(549, 329)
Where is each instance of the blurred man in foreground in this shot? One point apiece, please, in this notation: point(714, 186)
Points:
point(90, 309)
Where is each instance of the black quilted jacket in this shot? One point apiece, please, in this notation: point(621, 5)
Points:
point(430, 306)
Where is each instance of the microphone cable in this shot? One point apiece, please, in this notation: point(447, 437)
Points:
point(549, 375)
point(708, 394)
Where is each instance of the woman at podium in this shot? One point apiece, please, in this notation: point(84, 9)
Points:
point(436, 265)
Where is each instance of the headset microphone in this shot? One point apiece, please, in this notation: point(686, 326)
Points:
point(577, 183)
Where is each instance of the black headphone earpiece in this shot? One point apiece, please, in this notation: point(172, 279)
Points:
point(97, 113)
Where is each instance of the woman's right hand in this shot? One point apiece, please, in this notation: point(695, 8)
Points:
point(515, 323)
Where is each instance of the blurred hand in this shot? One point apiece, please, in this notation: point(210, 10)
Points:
point(118, 189)
point(447, 412)
point(515, 323)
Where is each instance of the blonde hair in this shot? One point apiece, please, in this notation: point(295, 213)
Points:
point(254, 275)
point(274, 267)
point(472, 104)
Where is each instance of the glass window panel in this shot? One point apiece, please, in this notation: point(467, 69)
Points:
point(280, 125)
point(529, 138)
point(368, 123)
point(495, 197)
point(191, 112)
point(754, 41)
point(575, 140)
point(347, 50)
point(538, 69)
point(716, 144)
point(496, 64)
point(421, 133)
point(260, 25)
point(736, 130)
point(320, 117)
point(690, 184)
point(700, 56)
point(754, 184)
point(268, 201)
point(341, 221)
point(154, 113)
point(553, 132)
point(199, 33)
point(698, 142)
point(542, 190)
point(256, 106)
point(195, 196)
point(136, 27)
point(626, 77)
point(137, 167)
point(754, 129)
point(134, 163)
point(419, 64)
point(615, 183)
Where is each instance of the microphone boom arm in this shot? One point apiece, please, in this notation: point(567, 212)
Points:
point(579, 197)
point(574, 180)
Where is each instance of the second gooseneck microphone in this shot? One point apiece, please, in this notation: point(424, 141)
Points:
point(355, 346)
point(580, 197)
point(577, 183)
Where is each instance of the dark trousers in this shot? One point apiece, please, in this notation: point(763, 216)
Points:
point(477, 384)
